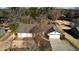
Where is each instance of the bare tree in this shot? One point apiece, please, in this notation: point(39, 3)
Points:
point(54, 13)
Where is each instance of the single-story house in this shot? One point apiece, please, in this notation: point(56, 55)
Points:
point(24, 30)
point(27, 30)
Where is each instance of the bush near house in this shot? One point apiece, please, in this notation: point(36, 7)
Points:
point(14, 26)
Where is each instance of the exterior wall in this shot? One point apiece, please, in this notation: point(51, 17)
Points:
point(54, 36)
point(23, 35)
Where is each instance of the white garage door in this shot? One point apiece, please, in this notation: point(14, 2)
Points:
point(23, 35)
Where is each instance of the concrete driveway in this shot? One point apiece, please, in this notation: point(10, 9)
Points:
point(61, 45)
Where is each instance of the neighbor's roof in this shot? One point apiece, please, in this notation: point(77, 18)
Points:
point(25, 28)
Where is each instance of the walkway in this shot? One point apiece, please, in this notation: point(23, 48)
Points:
point(61, 45)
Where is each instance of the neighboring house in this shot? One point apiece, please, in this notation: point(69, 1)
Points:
point(2, 31)
point(24, 30)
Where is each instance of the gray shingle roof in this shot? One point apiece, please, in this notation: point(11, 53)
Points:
point(25, 28)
